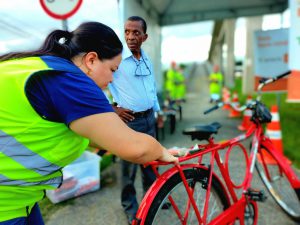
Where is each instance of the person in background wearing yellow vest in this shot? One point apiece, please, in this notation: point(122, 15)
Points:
point(215, 84)
point(51, 108)
point(170, 82)
point(180, 88)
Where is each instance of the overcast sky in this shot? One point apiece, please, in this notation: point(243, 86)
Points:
point(24, 24)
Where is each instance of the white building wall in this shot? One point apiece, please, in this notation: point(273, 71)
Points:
point(152, 46)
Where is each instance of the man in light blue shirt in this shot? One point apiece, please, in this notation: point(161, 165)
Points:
point(133, 85)
point(134, 93)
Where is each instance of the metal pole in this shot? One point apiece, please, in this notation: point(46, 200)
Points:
point(64, 24)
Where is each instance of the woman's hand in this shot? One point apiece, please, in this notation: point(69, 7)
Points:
point(178, 152)
point(167, 157)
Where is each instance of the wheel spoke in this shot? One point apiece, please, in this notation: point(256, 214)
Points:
point(181, 210)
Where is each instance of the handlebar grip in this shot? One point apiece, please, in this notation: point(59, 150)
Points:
point(213, 108)
point(269, 80)
point(283, 75)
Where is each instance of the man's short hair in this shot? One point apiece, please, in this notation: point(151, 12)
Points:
point(138, 18)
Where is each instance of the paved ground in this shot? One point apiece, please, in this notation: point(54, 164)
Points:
point(103, 207)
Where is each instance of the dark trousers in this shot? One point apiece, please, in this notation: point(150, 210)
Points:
point(128, 195)
point(34, 218)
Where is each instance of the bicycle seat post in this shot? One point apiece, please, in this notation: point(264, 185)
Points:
point(211, 140)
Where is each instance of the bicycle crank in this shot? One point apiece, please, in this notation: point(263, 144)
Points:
point(256, 195)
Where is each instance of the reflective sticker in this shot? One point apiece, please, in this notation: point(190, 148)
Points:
point(55, 182)
point(15, 150)
point(273, 134)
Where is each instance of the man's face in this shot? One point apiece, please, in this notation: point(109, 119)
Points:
point(134, 35)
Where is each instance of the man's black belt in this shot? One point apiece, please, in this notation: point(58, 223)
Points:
point(142, 113)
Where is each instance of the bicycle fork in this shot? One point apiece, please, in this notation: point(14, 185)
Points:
point(189, 187)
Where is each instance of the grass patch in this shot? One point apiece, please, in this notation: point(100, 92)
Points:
point(289, 120)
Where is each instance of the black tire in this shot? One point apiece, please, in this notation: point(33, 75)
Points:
point(197, 179)
point(278, 185)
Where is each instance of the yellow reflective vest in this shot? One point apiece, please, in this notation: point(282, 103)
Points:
point(32, 150)
point(216, 80)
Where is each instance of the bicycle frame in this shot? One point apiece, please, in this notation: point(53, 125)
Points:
point(237, 207)
point(237, 204)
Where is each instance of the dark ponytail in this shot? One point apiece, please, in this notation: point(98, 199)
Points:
point(56, 43)
point(90, 36)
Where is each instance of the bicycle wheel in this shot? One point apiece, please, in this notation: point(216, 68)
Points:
point(174, 187)
point(277, 183)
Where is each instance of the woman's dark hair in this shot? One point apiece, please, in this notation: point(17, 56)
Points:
point(88, 37)
point(140, 19)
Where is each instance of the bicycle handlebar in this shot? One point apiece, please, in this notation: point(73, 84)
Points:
point(220, 104)
point(270, 80)
point(265, 81)
point(239, 109)
point(262, 83)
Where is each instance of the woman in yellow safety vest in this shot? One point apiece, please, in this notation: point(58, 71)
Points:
point(51, 108)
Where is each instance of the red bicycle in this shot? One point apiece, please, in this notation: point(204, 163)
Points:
point(198, 193)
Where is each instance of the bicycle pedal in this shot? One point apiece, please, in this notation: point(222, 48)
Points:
point(256, 195)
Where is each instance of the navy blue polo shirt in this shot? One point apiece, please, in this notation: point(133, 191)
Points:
point(65, 96)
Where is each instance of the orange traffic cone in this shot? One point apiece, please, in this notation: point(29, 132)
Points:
point(226, 98)
point(247, 116)
point(235, 101)
point(273, 131)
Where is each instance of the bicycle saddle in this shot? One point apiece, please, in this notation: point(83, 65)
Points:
point(202, 132)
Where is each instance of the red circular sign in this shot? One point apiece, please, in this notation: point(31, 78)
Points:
point(60, 9)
